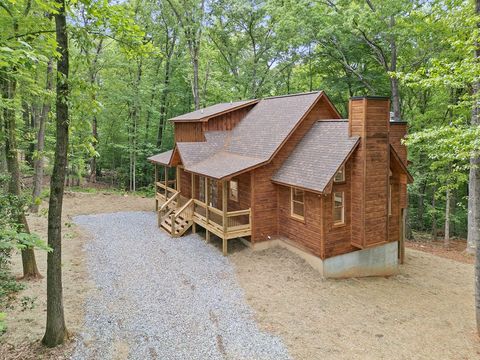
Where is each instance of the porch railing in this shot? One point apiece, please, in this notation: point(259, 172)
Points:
point(235, 223)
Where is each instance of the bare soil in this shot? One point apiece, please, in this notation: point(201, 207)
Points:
point(455, 249)
point(26, 326)
point(424, 312)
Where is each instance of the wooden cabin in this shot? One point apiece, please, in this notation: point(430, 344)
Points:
point(289, 169)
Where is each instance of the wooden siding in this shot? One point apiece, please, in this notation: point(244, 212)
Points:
point(185, 183)
point(188, 132)
point(397, 133)
point(394, 218)
point(369, 118)
point(338, 237)
point(308, 233)
point(264, 192)
point(226, 121)
point(193, 131)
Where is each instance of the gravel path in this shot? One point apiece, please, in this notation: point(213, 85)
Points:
point(164, 298)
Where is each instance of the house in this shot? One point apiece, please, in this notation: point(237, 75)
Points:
point(289, 171)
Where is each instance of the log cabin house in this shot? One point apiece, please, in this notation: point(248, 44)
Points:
point(289, 171)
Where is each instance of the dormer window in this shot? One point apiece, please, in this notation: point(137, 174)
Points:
point(340, 175)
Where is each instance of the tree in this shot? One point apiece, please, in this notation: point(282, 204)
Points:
point(56, 331)
point(38, 162)
point(190, 15)
point(474, 187)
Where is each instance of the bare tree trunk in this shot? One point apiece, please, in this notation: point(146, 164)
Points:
point(474, 188)
point(40, 145)
point(446, 240)
point(434, 218)
point(93, 160)
point(166, 84)
point(394, 80)
point(30, 270)
point(93, 80)
point(56, 331)
point(196, 86)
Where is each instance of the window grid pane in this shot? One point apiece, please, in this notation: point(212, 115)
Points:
point(297, 203)
point(338, 208)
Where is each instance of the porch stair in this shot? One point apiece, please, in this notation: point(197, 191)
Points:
point(181, 225)
point(176, 215)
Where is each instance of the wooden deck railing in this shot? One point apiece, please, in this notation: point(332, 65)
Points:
point(237, 223)
point(167, 207)
point(185, 212)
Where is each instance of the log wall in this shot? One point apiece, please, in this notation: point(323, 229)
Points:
point(264, 192)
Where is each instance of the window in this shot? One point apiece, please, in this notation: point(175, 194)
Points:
point(201, 188)
point(340, 175)
point(297, 203)
point(338, 208)
point(233, 190)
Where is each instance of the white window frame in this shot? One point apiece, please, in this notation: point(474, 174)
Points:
point(340, 175)
point(334, 207)
point(292, 201)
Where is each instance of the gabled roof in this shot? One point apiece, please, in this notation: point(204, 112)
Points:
point(162, 158)
point(214, 110)
point(254, 141)
point(318, 156)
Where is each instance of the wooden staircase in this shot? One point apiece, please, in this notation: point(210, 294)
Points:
point(176, 215)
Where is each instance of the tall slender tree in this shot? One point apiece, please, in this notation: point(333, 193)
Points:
point(474, 184)
point(56, 331)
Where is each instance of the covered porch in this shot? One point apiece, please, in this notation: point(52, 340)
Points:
point(186, 200)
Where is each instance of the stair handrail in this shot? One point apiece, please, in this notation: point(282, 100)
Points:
point(169, 201)
point(179, 212)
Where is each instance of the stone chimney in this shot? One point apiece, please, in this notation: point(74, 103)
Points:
point(369, 118)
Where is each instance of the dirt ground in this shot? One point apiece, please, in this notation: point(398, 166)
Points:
point(455, 250)
point(424, 312)
point(26, 328)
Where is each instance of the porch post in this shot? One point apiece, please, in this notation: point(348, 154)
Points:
point(224, 209)
point(194, 225)
point(177, 182)
point(207, 200)
point(166, 183)
point(155, 187)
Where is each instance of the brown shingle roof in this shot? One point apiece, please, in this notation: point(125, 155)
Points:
point(223, 164)
point(269, 123)
point(195, 152)
point(209, 111)
point(252, 142)
point(162, 158)
point(318, 156)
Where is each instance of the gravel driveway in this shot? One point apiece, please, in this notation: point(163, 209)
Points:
point(163, 298)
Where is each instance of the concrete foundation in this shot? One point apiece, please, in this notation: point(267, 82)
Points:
point(380, 260)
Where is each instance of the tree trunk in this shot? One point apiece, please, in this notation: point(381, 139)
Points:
point(40, 145)
point(93, 80)
point(474, 187)
point(30, 270)
point(163, 99)
point(93, 160)
point(56, 331)
point(434, 218)
point(196, 90)
point(446, 240)
point(394, 80)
